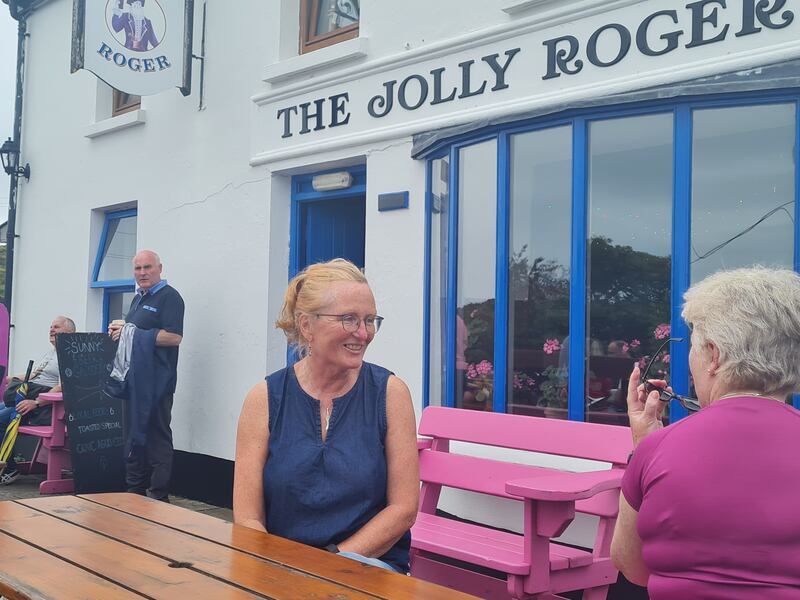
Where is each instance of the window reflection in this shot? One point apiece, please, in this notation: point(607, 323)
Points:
point(119, 249)
point(538, 305)
point(629, 265)
point(742, 188)
point(440, 196)
point(477, 247)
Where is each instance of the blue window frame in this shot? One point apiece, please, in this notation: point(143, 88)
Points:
point(112, 271)
point(443, 341)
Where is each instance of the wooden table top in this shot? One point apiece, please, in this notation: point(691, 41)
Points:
point(110, 546)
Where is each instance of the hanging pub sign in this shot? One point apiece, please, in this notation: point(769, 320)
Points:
point(140, 47)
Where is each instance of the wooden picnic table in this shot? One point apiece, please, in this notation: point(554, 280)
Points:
point(110, 546)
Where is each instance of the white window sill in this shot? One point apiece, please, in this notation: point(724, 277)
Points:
point(516, 6)
point(342, 52)
point(123, 121)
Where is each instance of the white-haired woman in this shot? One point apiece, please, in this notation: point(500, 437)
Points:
point(326, 450)
point(709, 504)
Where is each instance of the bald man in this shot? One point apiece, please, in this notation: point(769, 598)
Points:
point(156, 306)
point(44, 378)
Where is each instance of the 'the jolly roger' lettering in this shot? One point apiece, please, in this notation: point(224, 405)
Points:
point(697, 23)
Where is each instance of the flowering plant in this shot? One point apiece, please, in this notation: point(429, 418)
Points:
point(661, 364)
point(480, 377)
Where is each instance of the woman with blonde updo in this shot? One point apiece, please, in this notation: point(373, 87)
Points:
point(326, 449)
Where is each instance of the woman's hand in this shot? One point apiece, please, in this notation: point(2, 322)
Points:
point(644, 410)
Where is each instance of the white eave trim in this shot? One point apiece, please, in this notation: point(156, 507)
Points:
point(304, 64)
point(515, 6)
point(123, 121)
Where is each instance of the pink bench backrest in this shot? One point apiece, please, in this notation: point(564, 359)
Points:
point(592, 441)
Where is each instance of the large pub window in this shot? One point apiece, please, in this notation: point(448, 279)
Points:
point(327, 22)
point(559, 249)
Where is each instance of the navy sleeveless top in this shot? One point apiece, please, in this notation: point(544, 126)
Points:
point(321, 493)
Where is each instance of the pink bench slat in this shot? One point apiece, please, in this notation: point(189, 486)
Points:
point(486, 476)
point(592, 441)
point(485, 547)
point(566, 486)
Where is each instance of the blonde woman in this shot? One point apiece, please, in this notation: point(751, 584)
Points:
point(326, 448)
point(708, 505)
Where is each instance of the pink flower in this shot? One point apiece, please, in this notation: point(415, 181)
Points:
point(642, 362)
point(484, 368)
point(662, 332)
point(665, 358)
point(551, 346)
point(635, 343)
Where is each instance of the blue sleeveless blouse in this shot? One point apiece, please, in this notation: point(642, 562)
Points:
point(321, 493)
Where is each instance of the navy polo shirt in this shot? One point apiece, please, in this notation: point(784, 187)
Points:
point(160, 307)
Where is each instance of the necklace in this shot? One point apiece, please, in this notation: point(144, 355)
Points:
point(327, 418)
point(737, 394)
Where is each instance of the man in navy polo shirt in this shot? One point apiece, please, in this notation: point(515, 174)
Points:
point(156, 305)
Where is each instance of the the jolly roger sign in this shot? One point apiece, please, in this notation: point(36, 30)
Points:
point(140, 47)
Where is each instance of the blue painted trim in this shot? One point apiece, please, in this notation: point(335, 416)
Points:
point(112, 283)
point(356, 190)
point(796, 397)
point(106, 297)
point(797, 189)
point(426, 290)
point(109, 216)
point(576, 406)
point(681, 254)
point(452, 282)
point(622, 110)
point(389, 195)
point(502, 374)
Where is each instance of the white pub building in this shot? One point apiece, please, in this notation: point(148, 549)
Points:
point(529, 185)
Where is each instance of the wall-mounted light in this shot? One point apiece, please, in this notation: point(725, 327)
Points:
point(9, 155)
point(331, 181)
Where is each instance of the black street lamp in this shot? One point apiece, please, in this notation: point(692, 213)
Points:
point(9, 155)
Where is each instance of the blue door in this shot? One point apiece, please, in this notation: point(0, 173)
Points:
point(332, 228)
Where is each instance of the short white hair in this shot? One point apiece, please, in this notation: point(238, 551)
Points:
point(753, 317)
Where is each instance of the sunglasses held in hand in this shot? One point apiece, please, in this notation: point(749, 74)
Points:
point(690, 404)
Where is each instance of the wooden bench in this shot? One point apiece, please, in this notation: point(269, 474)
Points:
point(447, 551)
point(52, 449)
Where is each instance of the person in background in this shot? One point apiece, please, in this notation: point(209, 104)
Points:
point(708, 504)
point(44, 378)
point(326, 450)
point(156, 306)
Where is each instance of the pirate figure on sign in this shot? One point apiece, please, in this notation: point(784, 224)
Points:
point(139, 34)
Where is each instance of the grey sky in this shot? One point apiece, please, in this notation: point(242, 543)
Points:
point(8, 62)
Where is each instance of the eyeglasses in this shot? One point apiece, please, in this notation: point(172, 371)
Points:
point(351, 323)
point(690, 404)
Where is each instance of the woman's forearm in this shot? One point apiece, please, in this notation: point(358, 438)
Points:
point(252, 524)
point(381, 532)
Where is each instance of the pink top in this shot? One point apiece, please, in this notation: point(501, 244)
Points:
point(717, 495)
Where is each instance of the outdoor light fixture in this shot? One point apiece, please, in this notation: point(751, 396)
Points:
point(9, 155)
point(332, 181)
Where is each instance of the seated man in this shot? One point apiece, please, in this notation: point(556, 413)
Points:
point(45, 376)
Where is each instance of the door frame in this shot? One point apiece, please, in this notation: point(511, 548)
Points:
point(303, 192)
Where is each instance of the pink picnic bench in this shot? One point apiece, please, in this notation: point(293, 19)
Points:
point(52, 449)
point(529, 565)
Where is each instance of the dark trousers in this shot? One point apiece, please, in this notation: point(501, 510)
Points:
point(153, 464)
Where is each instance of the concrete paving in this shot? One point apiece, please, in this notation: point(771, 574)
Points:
point(27, 486)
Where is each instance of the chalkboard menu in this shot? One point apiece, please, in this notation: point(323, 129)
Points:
point(94, 418)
